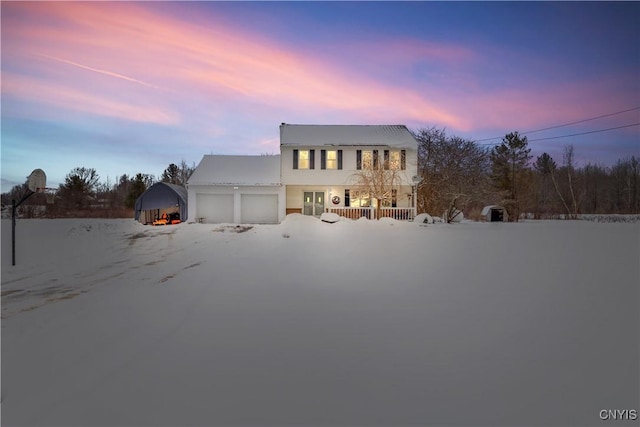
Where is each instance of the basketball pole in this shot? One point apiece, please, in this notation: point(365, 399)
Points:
point(14, 206)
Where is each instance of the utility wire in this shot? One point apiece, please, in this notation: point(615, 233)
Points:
point(585, 133)
point(574, 134)
point(566, 124)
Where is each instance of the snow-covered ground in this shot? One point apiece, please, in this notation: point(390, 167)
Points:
point(111, 323)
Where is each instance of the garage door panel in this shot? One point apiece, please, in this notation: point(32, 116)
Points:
point(259, 208)
point(214, 208)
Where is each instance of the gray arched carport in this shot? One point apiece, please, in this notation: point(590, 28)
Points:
point(161, 197)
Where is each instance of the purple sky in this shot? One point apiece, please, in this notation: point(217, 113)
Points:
point(131, 87)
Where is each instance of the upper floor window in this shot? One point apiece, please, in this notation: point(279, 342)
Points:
point(394, 160)
point(330, 159)
point(367, 159)
point(303, 159)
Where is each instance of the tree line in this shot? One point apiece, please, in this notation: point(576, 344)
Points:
point(460, 175)
point(82, 194)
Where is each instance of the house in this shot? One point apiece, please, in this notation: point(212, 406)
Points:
point(323, 166)
point(320, 169)
point(236, 189)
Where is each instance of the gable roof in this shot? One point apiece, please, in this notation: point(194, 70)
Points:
point(318, 135)
point(237, 170)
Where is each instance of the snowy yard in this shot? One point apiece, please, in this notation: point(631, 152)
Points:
point(111, 323)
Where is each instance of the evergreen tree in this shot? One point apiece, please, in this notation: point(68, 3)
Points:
point(138, 186)
point(508, 160)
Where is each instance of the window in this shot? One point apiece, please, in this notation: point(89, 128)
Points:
point(394, 160)
point(367, 159)
point(332, 159)
point(303, 159)
point(359, 199)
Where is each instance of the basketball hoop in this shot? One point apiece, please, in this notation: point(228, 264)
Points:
point(37, 183)
point(50, 194)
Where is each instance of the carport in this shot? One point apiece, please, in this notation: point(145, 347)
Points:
point(160, 198)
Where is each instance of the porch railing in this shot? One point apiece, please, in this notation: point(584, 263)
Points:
point(401, 214)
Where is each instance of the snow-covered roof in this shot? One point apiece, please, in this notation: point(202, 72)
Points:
point(237, 170)
point(486, 209)
point(318, 135)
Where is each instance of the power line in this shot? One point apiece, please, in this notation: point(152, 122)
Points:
point(566, 124)
point(585, 133)
point(575, 134)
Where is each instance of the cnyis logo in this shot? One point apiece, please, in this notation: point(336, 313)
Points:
point(618, 414)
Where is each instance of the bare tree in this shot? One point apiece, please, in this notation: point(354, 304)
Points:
point(378, 182)
point(454, 173)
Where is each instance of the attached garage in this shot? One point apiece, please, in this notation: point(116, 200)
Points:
point(215, 208)
point(237, 189)
point(259, 209)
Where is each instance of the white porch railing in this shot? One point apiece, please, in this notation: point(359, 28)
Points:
point(402, 214)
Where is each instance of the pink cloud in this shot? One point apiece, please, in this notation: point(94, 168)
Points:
point(80, 101)
point(133, 43)
point(117, 58)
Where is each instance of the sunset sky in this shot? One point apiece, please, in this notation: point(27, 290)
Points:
point(131, 87)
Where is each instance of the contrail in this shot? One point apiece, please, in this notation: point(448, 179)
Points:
point(97, 70)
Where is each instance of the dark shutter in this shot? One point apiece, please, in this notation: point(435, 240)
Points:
point(295, 159)
point(347, 198)
point(323, 159)
point(386, 159)
point(312, 159)
point(375, 159)
point(403, 159)
point(339, 159)
point(358, 159)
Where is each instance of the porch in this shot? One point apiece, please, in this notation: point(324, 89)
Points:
point(401, 214)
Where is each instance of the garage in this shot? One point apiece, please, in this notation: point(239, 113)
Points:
point(259, 208)
point(214, 208)
point(237, 190)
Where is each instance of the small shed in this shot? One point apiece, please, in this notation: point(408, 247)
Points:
point(494, 213)
point(160, 198)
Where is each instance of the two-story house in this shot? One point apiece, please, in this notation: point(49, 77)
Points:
point(353, 170)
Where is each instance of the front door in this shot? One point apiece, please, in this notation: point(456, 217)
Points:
point(313, 203)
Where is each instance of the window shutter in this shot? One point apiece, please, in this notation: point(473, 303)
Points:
point(386, 159)
point(358, 159)
point(347, 198)
point(375, 159)
point(403, 159)
point(339, 159)
point(323, 159)
point(295, 159)
point(312, 159)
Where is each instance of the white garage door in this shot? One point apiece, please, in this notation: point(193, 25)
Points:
point(214, 208)
point(259, 208)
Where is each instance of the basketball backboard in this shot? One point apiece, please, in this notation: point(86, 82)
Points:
point(37, 180)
